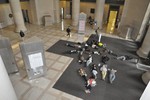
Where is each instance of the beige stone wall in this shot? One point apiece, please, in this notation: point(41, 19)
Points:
point(26, 6)
point(86, 7)
point(4, 12)
point(40, 8)
point(133, 14)
point(66, 6)
point(120, 11)
point(106, 11)
point(45, 7)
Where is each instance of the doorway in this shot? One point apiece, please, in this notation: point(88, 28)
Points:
point(112, 19)
point(111, 22)
point(71, 8)
point(25, 16)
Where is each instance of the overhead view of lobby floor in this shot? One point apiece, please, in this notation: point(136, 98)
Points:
point(41, 88)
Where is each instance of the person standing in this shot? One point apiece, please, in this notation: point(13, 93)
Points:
point(68, 30)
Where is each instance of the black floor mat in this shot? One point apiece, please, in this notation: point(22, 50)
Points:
point(127, 86)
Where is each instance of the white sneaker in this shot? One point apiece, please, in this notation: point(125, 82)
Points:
point(87, 91)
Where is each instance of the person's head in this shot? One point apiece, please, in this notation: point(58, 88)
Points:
point(105, 65)
point(94, 66)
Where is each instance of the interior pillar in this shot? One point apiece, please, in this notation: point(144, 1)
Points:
point(57, 11)
point(75, 12)
point(17, 15)
point(6, 89)
point(145, 48)
point(144, 24)
point(99, 12)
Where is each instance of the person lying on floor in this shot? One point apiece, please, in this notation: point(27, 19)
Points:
point(83, 74)
point(105, 59)
point(94, 71)
point(89, 60)
point(112, 75)
point(93, 44)
point(125, 57)
point(96, 52)
point(91, 82)
point(104, 70)
point(128, 58)
point(81, 57)
point(73, 45)
point(111, 53)
point(73, 51)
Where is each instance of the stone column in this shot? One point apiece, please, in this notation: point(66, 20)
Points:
point(143, 25)
point(145, 48)
point(99, 12)
point(57, 11)
point(75, 12)
point(6, 89)
point(17, 15)
point(34, 12)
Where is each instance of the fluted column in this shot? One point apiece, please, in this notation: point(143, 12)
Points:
point(75, 12)
point(6, 89)
point(17, 15)
point(57, 11)
point(145, 48)
point(99, 12)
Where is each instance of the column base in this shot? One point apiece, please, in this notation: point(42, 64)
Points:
point(146, 77)
point(75, 23)
point(138, 39)
point(18, 29)
point(140, 53)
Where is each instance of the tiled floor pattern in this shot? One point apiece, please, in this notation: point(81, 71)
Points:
point(41, 88)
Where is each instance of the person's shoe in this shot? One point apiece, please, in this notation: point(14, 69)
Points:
point(111, 82)
point(87, 91)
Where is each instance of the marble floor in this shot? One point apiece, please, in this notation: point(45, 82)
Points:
point(41, 88)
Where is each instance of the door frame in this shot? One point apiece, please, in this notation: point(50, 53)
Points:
point(113, 8)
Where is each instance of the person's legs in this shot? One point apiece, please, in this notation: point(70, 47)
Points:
point(88, 89)
point(95, 76)
point(103, 75)
point(67, 33)
point(111, 78)
point(84, 77)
